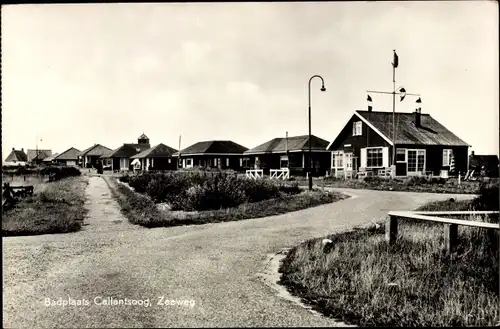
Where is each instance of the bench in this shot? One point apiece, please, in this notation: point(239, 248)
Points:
point(391, 229)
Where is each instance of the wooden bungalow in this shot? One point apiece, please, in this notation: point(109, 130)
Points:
point(291, 153)
point(120, 157)
point(484, 165)
point(91, 155)
point(158, 157)
point(423, 145)
point(16, 158)
point(37, 155)
point(68, 157)
point(50, 159)
point(216, 154)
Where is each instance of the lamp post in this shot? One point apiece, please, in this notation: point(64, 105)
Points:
point(309, 94)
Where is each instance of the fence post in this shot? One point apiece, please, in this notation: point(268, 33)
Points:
point(391, 229)
point(452, 237)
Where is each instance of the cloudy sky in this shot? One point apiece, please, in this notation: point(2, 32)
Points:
point(76, 75)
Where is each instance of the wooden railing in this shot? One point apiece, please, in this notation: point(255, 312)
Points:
point(283, 173)
point(391, 228)
point(255, 173)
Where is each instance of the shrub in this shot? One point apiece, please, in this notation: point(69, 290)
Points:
point(374, 180)
point(201, 191)
point(488, 198)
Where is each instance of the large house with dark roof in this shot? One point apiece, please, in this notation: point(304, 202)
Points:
point(16, 158)
point(159, 157)
point(291, 153)
point(91, 155)
point(212, 154)
point(120, 157)
point(422, 144)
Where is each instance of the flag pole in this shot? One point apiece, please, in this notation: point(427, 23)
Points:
point(394, 64)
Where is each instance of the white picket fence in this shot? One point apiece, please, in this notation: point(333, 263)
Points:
point(283, 173)
point(255, 173)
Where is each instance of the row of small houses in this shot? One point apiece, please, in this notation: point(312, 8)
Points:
point(365, 145)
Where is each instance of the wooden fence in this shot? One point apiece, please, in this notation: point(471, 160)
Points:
point(391, 229)
point(11, 194)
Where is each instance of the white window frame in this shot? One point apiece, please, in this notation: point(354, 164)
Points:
point(340, 155)
point(367, 156)
point(410, 173)
point(357, 128)
point(447, 157)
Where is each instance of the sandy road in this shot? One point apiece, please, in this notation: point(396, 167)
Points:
point(212, 266)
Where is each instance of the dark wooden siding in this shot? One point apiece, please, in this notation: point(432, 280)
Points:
point(368, 138)
point(434, 157)
point(321, 162)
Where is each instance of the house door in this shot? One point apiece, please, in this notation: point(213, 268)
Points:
point(401, 162)
point(416, 162)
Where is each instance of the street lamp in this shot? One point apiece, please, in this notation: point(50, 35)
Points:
point(310, 159)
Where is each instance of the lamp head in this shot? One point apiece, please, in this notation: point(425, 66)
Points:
point(323, 88)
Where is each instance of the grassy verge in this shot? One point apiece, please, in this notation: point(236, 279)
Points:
point(410, 184)
point(141, 210)
point(57, 208)
point(364, 281)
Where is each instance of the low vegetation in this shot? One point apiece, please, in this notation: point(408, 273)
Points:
point(57, 171)
point(57, 207)
point(142, 210)
point(409, 184)
point(361, 279)
point(197, 192)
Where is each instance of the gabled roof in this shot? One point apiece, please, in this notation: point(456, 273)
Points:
point(42, 154)
point(295, 143)
point(128, 150)
point(158, 151)
point(430, 132)
point(95, 150)
point(143, 136)
point(213, 147)
point(70, 154)
point(17, 156)
point(50, 158)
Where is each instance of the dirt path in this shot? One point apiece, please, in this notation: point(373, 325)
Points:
point(214, 266)
point(103, 211)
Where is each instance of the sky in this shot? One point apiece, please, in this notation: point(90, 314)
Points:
point(78, 74)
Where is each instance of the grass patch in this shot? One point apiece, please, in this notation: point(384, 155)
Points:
point(410, 184)
point(141, 210)
point(361, 279)
point(57, 208)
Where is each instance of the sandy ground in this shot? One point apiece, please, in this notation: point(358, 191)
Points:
point(213, 268)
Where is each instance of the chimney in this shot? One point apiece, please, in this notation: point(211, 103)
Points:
point(472, 153)
point(286, 142)
point(12, 149)
point(22, 149)
point(369, 100)
point(418, 118)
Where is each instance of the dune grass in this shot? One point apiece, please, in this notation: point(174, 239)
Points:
point(362, 280)
point(56, 207)
point(141, 210)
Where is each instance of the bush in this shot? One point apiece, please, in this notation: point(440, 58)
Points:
point(488, 198)
point(60, 171)
point(200, 191)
